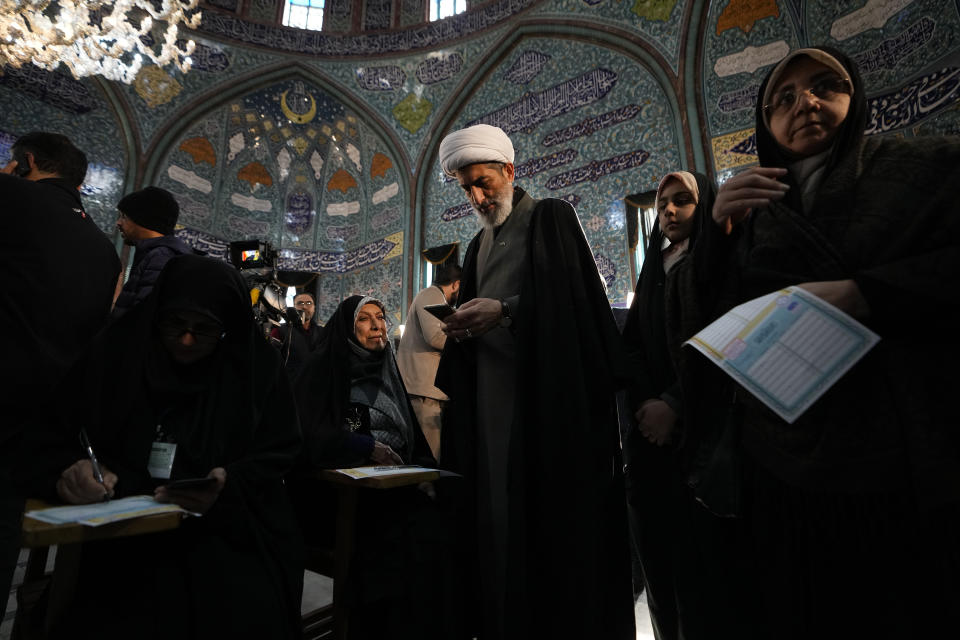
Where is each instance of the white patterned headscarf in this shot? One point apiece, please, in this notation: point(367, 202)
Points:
point(365, 301)
point(479, 143)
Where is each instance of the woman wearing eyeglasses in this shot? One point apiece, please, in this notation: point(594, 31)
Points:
point(182, 386)
point(851, 512)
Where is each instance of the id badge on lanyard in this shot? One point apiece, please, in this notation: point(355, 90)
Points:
point(162, 454)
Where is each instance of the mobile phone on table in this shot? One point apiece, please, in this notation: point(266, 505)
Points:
point(441, 311)
point(190, 483)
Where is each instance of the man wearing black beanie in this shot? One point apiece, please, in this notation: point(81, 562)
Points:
point(146, 221)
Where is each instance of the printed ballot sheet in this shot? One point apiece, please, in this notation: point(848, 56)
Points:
point(94, 515)
point(380, 472)
point(786, 348)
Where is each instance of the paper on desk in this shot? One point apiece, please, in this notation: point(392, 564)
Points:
point(380, 472)
point(94, 515)
point(786, 348)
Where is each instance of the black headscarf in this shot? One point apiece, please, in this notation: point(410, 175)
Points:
point(228, 384)
point(644, 331)
point(340, 364)
point(847, 139)
point(236, 413)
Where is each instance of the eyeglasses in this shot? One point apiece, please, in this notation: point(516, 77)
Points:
point(176, 327)
point(303, 303)
point(826, 88)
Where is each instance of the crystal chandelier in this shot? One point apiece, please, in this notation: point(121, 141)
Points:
point(96, 37)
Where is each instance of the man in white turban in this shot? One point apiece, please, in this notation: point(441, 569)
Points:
point(531, 425)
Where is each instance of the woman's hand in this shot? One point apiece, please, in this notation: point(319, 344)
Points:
point(384, 455)
point(843, 294)
point(656, 421)
point(754, 188)
point(77, 485)
point(194, 500)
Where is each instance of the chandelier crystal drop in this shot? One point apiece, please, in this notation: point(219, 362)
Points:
point(96, 37)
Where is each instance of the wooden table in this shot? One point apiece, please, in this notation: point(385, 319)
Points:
point(348, 495)
point(40, 536)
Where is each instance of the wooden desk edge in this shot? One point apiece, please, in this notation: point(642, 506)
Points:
point(42, 534)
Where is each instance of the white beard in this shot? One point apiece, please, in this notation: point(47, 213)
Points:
point(500, 212)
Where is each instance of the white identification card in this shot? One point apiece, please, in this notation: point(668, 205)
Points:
point(160, 463)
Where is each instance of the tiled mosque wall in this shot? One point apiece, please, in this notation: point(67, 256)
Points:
point(31, 99)
point(589, 125)
point(324, 144)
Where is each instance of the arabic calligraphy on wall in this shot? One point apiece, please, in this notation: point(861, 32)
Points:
point(439, 68)
point(591, 125)
point(598, 169)
point(914, 102)
point(607, 269)
point(526, 67)
point(341, 261)
point(57, 89)
point(734, 149)
point(430, 35)
point(538, 165)
point(534, 108)
point(891, 51)
point(385, 78)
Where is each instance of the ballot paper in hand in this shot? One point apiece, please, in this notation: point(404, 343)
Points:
point(786, 348)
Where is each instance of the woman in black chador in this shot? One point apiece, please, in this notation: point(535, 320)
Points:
point(352, 402)
point(660, 503)
point(853, 510)
point(187, 368)
point(354, 410)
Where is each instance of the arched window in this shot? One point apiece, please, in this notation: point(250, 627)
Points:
point(440, 9)
point(304, 14)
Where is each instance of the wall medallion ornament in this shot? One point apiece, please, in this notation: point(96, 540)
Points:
point(156, 86)
point(298, 105)
point(412, 112)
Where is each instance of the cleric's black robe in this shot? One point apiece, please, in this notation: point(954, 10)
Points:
point(568, 566)
point(237, 571)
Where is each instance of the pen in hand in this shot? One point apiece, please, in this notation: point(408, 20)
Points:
point(97, 471)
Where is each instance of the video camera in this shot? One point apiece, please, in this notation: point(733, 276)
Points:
point(252, 254)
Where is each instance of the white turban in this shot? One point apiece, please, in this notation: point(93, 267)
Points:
point(479, 143)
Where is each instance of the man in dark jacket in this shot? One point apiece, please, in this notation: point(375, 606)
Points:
point(60, 272)
point(297, 340)
point(146, 222)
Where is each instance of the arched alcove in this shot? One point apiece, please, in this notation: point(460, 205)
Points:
point(289, 161)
